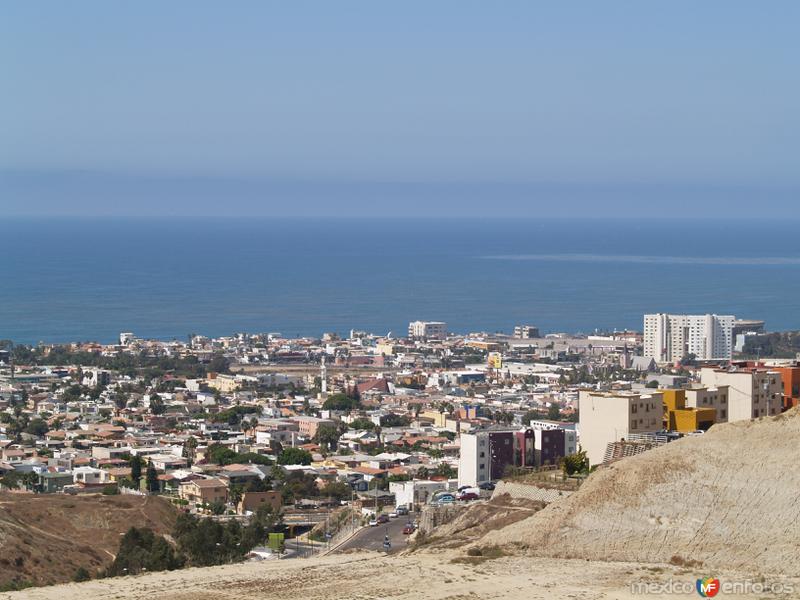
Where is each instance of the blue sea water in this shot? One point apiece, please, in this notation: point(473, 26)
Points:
point(88, 279)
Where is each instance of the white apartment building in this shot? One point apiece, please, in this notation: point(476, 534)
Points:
point(710, 397)
point(669, 338)
point(474, 459)
point(611, 416)
point(427, 330)
point(752, 393)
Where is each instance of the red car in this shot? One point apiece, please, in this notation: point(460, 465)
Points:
point(467, 496)
point(408, 529)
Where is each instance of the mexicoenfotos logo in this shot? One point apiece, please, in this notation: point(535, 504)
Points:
point(708, 587)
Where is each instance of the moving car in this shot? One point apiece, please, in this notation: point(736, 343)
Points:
point(409, 529)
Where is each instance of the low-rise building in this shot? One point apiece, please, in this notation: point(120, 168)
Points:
point(204, 491)
point(753, 391)
point(607, 417)
point(252, 501)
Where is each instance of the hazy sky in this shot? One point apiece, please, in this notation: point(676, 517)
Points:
point(430, 107)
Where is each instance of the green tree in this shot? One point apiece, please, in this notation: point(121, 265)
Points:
point(189, 449)
point(554, 411)
point(362, 423)
point(393, 420)
point(338, 490)
point(37, 427)
point(142, 549)
point(152, 478)
point(341, 402)
point(157, 406)
point(294, 456)
point(575, 463)
point(327, 435)
point(136, 468)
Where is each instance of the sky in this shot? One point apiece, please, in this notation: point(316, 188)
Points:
point(515, 108)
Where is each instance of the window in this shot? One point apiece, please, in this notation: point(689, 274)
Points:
point(483, 454)
point(722, 414)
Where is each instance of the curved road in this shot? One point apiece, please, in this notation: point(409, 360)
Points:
point(371, 538)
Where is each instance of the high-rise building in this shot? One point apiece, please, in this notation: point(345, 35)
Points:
point(670, 338)
point(427, 330)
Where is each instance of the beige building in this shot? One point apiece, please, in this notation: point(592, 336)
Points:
point(752, 392)
point(427, 330)
point(307, 426)
point(224, 383)
point(203, 491)
point(609, 417)
point(710, 397)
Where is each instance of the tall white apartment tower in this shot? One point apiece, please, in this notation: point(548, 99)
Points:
point(668, 338)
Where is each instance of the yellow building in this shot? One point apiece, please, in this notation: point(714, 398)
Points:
point(439, 418)
point(677, 417)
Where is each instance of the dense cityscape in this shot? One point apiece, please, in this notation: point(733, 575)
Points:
point(272, 447)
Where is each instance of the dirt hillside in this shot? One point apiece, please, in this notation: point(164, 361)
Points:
point(728, 499)
point(45, 538)
point(370, 576)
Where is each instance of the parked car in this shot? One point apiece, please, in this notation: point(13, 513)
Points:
point(445, 499)
point(402, 510)
point(467, 496)
point(487, 485)
point(409, 529)
point(373, 522)
point(393, 515)
point(383, 519)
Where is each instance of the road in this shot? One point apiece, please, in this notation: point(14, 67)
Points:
point(371, 538)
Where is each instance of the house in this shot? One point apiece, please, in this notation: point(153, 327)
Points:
point(52, 482)
point(89, 476)
point(204, 491)
point(251, 501)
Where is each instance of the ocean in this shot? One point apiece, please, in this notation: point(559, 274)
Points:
point(77, 279)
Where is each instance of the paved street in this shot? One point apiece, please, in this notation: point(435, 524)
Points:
point(371, 538)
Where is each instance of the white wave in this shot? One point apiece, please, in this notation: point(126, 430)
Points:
point(645, 259)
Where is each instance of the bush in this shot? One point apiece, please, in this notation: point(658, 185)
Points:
point(81, 575)
point(142, 549)
point(111, 490)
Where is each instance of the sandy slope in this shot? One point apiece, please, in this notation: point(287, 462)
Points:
point(729, 498)
point(369, 576)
